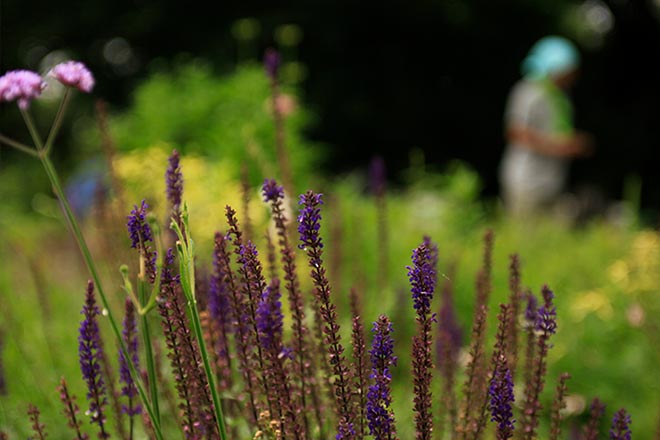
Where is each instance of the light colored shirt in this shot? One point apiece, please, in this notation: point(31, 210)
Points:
point(536, 177)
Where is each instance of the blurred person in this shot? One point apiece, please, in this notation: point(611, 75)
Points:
point(541, 139)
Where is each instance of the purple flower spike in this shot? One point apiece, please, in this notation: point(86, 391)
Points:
point(129, 333)
point(346, 431)
point(272, 191)
point(309, 220)
point(501, 400)
point(377, 175)
point(621, 426)
point(74, 74)
point(22, 86)
point(530, 311)
point(89, 351)
point(422, 276)
point(379, 399)
point(138, 228)
point(270, 318)
point(272, 62)
point(546, 317)
point(174, 182)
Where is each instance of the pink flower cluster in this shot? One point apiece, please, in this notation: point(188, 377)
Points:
point(73, 74)
point(23, 85)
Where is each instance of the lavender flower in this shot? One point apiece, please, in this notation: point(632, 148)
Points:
point(220, 316)
point(270, 318)
point(174, 183)
point(73, 74)
point(309, 222)
point(531, 309)
point(71, 410)
point(500, 392)
point(302, 367)
point(345, 432)
point(22, 86)
point(141, 237)
point(449, 331)
point(546, 317)
point(422, 278)
point(545, 323)
point(308, 227)
point(359, 369)
point(89, 350)
point(621, 426)
point(138, 228)
point(272, 63)
point(379, 399)
point(129, 390)
point(272, 192)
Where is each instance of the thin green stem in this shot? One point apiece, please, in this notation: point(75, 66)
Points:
point(57, 123)
point(19, 146)
point(89, 261)
point(192, 306)
point(36, 138)
point(151, 369)
point(186, 251)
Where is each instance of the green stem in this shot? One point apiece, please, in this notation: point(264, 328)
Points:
point(192, 306)
point(27, 117)
point(186, 251)
point(151, 369)
point(20, 147)
point(57, 123)
point(89, 261)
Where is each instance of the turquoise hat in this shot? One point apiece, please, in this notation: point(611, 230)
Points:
point(549, 56)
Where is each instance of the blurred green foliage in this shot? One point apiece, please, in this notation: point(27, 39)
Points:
point(605, 276)
point(227, 117)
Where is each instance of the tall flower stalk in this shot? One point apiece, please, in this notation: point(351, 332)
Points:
point(272, 62)
point(422, 275)
point(500, 391)
point(29, 87)
point(274, 195)
point(596, 411)
point(38, 428)
point(129, 390)
point(89, 351)
point(379, 396)
point(310, 241)
point(621, 426)
point(71, 410)
point(546, 325)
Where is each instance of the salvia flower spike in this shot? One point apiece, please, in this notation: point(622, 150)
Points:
point(272, 63)
point(621, 426)
point(379, 398)
point(422, 276)
point(130, 336)
point(271, 191)
point(501, 400)
point(89, 348)
point(174, 184)
point(310, 240)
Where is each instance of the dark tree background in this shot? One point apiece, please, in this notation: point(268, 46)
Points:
point(387, 76)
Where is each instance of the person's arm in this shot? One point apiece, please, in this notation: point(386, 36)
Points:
point(578, 144)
